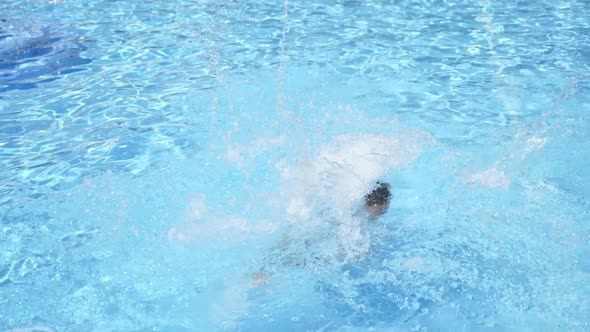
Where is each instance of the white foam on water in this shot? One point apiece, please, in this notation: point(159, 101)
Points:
point(239, 152)
point(345, 169)
point(492, 177)
point(199, 227)
point(323, 193)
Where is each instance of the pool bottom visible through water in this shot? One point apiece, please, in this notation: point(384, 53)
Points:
point(257, 230)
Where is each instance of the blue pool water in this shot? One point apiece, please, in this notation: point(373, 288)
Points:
point(196, 165)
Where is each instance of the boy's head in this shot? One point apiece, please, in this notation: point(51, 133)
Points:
point(377, 201)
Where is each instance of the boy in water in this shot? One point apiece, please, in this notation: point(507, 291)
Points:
point(376, 203)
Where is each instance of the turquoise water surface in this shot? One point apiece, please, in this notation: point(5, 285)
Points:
point(197, 165)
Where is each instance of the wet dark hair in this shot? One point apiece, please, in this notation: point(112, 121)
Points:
point(379, 196)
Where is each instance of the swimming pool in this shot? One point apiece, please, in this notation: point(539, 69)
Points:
point(196, 165)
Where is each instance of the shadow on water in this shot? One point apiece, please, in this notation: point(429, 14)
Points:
point(26, 61)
